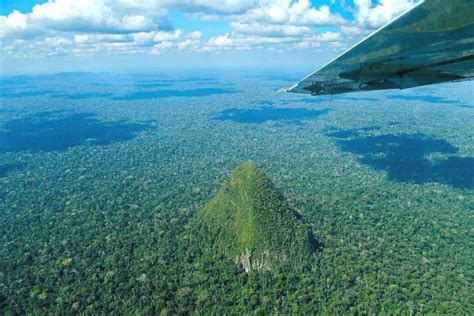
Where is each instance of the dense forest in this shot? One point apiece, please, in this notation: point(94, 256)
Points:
point(108, 204)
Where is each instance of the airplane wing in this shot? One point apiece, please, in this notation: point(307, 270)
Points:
point(431, 43)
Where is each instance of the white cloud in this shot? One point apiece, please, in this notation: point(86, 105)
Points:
point(213, 6)
point(15, 22)
point(81, 27)
point(354, 30)
point(302, 13)
point(329, 37)
point(375, 15)
point(81, 16)
point(284, 18)
point(299, 12)
point(221, 41)
point(236, 41)
point(92, 26)
point(270, 29)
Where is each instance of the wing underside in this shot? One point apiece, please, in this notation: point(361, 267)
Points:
point(431, 43)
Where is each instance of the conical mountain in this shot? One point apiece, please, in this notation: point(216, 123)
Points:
point(251, 223)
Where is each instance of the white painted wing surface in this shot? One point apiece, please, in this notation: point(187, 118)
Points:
point(431, 43)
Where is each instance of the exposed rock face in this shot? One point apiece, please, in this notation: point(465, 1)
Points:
point(245, 261)
point(248, 263)
point(251, 223)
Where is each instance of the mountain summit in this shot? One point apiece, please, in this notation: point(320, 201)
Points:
point(251, 223)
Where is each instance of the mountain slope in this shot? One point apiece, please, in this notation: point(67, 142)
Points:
point(250, 222)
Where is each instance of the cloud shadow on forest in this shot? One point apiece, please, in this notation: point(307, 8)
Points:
point(160, 94)
point(24, 94)
point(431, 99)
point(52, 131)
point(405, 157)
point(6, 169)
point(266, 114)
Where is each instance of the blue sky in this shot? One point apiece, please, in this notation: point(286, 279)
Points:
point(126, 35)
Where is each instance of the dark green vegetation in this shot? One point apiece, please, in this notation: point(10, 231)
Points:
point(95, 228)
point(405, 157)
point(53, 131)
point(433, 99)
point(25, 94)
point(159, 94)
point(269, 114)
point(251, 223)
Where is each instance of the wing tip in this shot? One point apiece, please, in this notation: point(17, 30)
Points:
point(289, 89)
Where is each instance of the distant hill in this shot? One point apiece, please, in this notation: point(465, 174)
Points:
point(251, 223)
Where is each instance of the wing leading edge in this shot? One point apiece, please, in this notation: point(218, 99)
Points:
point(431, 43)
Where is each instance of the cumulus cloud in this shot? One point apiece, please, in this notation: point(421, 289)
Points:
point(13, 24)
point(92, 26)
point(354, 30)
point(281, 30)
point(94, 16)
point(235, 41)
point(145, 26)
point(329, 37)
point(109, 16)
point(243, 42)
point(278, 24)
point(375, 15)
point(284, 18)
point(213, 6)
